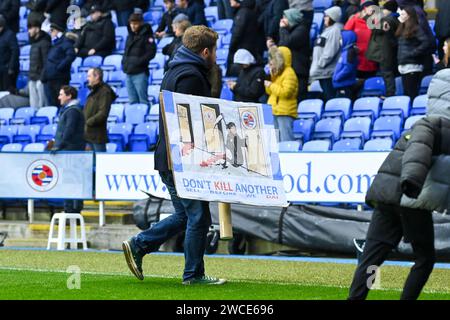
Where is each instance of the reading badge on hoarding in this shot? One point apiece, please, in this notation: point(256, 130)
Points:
point(249, 120)
point(42, 175)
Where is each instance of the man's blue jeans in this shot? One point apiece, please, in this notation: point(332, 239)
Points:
point(137, 88)
point(284, 125)
point(190, 215)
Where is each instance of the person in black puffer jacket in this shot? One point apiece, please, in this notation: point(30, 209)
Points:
point(411, 183)
point(140, 48)
point(40, 45)
point(9, 9)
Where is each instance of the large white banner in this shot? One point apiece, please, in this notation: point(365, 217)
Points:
point(329, 176)
point(45, 176)
point(223, 150)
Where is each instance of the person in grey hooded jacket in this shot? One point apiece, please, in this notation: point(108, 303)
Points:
point(411, 183)
point(326, 52)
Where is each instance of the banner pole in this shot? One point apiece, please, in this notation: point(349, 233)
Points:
point(101, 215)
point(226, 228)
point(31, 210)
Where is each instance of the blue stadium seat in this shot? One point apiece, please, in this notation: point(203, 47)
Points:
point(145, 135)
point(23, 11)
point(22, 115)
point(353, 144)
point(223, 26)
point(225, 41)
point(310, 108)
point(425, 83)
point(313, 33)
point(118, 133)
point(22, 81)
point(82, 95)
point(76, 64)
point(383, 144)
point(289, 146)
point(328, 128)
point(91, 62)
point(387, 126)
point(122, 32)
point(25, 52)
point(338, 107)
point(318, 21)
point(116, 78)
point(303, 129)
point(135, 113)
point(369, 106)
point(111, 147)
point(12, 147)
point(397, 105)
point(317, 145)
point(158, 61)
point(399, 86)
point(157, 76)
point(34, 147)
point(411, 120)
point(211, 15)
point(44, 115)
point(27, 134)
point(22, 38)
point(47, 133)
point(112, 62)
point(164, 42)
point(226, 93)
point(222, 56)
point(122, 95)
point(153, 93)
point(24, 65)
point(322, 5)
point(419, 106)
point(6, 114)
point(78, 79)
point(359, 125)
point(153, 115)
point(374, 87)
point(315, 87)
point(6, 134)
point(116, 113)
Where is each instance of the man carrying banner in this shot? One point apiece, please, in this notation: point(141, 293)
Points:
point(187, 74)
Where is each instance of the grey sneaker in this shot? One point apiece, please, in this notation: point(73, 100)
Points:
point(205, 280)
point(134, 260)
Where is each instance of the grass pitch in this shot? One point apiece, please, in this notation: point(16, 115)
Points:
point(42, 275)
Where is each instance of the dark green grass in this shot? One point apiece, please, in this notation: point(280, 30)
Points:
point(42, 275)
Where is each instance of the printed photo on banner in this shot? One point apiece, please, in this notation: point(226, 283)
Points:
point(223, 150)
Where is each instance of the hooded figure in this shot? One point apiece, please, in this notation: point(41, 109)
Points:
point(411, 182)
point(346, 68)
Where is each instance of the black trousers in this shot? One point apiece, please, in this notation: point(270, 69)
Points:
point(8, 82)
point(73, 206)
point(389, 224)
point(411, 84)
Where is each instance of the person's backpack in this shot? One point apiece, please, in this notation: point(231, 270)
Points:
point(346, 68)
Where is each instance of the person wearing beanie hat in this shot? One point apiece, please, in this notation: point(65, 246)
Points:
point(9, 57)
point(411, 183)
point(327, 49)
point(165, 25)
point(249, 86)
point(40, 45)
point(294, 34)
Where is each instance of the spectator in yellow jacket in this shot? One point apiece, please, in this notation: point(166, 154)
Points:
point(282, 90)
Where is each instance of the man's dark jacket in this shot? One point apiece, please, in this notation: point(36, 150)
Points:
point(99, 35)
point(9, 9)
point(59, 60)
point(9, 51)
point(96, 113)
point(70, 131)
point(297, 39)
point(40, 47)
point(187, 74)
point(140, 48)
point(250, 84)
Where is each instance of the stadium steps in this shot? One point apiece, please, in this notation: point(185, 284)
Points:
point(111, 217)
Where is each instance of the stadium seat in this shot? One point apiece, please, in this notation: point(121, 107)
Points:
point(22, 81)
point(22, 115)
point(118, 133)
point(44, 115)
point(6, 114)
point(90, 62)
point(164, 42)
point(12, 147)
point(397, 105)
point(153, 93)
point(289, 146)
point(27, 134)
point(315, 87)
point(211, 15)
point(47, 133)
point(369, 106)
point(359, 125)
point(225, 41)
point(157, 76)
point(6, 134)
point(374, 87)
point(411, 120)
point(78, 79)
point(223, 26)
point(383, 144)
point(310, 108)
point(322, 5)
point(318, 21)
point(316, 145)
point(82, 95)
point(25, 52)
point(425, 83)
point(388, 126)
point(303, 129)
point(122, 95)
point(116, 113)
point(116, 78)
point(153, 114)
point(226, 93)
point(145, 135)
point(24, 66)
point(112, 62)
point(353, 144)
point(328, 128)
point(158, 61)
point(338, 107)
point(313, 33)
point(22, 38)
point(76, 64)
point(419, 106)
point(135, 113)
point(399, 86)
point(222, 56)
point(34, 147)
point(122, 32)
point(111, 147)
